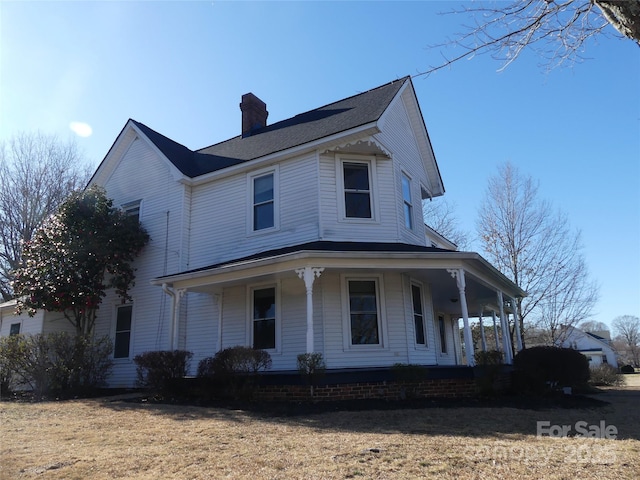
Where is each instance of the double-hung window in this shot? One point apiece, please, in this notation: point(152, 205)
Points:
point(357, 190)
point(264, 318)
point(14, 329)
point(406, 200)
point(122, 342)
point(418, 314)
point(263, 201)
point(132, 209)
point(364, 312)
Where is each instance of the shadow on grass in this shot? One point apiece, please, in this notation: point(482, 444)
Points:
point(473, 417)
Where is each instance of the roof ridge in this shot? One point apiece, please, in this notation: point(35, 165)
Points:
point(402, 79)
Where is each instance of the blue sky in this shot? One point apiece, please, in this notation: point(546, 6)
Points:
point(181, 68)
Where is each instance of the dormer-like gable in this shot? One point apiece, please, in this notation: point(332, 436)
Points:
point(345, 125)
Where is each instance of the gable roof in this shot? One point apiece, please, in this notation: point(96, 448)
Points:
point(343, 115)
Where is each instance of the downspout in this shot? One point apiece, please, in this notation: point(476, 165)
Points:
point(174, 307)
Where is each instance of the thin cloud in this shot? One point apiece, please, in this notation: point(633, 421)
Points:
point(81, 129)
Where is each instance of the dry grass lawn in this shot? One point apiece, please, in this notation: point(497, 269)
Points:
point(107, 439)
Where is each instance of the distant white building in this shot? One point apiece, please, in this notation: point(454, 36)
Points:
point(41, 322)
point(596, 346)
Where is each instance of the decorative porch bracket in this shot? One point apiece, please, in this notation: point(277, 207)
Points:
point(458, 274)
point(309, 274)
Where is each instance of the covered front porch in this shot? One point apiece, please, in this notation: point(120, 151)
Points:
point(418, 296)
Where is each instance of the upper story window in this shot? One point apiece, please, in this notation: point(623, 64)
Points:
point(358, 202)
point(406, 199)
point(263, 187)
point(122, 341)
point(132, 209)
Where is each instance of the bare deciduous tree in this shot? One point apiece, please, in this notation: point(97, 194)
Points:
point(536, 248)
point(556, 29)
point(37, 172)
point(628, 329)
point(593, 326)
point(440, 215)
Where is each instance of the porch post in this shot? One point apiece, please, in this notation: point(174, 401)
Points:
point(482, 336)
point(218, 299)
point(458, 274)
point(506, 334)
point(309, 274)
point(495, 330)
point(516, 321)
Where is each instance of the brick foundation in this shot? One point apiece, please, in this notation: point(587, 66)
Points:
point(440, 388)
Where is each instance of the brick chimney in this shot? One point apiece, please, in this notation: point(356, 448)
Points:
point(254, 114)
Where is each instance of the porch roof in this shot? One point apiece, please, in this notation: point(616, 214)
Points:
point(344, 256)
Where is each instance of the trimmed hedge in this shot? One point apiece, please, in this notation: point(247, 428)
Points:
point(544, 369)
point(231, 372)
point(161, 370)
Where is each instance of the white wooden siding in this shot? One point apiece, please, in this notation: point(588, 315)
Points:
point(219, 215)
point(384, 229)
point(398, 136)
point(32, 325)
point(142, 175)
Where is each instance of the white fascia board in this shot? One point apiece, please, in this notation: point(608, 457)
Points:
point(469, 261)
point(363, 130)
point(119, 149)
point(109, 163)
point(175, 172)
point(425, 147)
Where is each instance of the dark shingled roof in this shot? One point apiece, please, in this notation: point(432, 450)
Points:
point(346, 114)
point(325, 246)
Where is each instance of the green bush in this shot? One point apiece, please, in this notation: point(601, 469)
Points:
point(233, 361)
point(490, 357)
point(57, 363)
point(628, 369)
point(605, 375)
point(234, 370)
point(544, 369)
point(161, 370)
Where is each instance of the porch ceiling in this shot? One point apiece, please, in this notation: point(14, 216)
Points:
point(432, 268)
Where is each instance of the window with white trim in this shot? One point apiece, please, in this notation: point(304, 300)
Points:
point(418, 314)
point(122, 340)
point(356, 177)
point(14, 329)
point(364, 311)
point(263, 200)
point(406, 200)
point(264, 318)
point(132, 209)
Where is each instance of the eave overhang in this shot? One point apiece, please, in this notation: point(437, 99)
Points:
point(240, 271)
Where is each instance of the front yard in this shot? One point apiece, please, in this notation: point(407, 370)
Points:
point(107, 438)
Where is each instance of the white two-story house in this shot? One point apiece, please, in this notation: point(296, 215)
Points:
point(305, 235)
